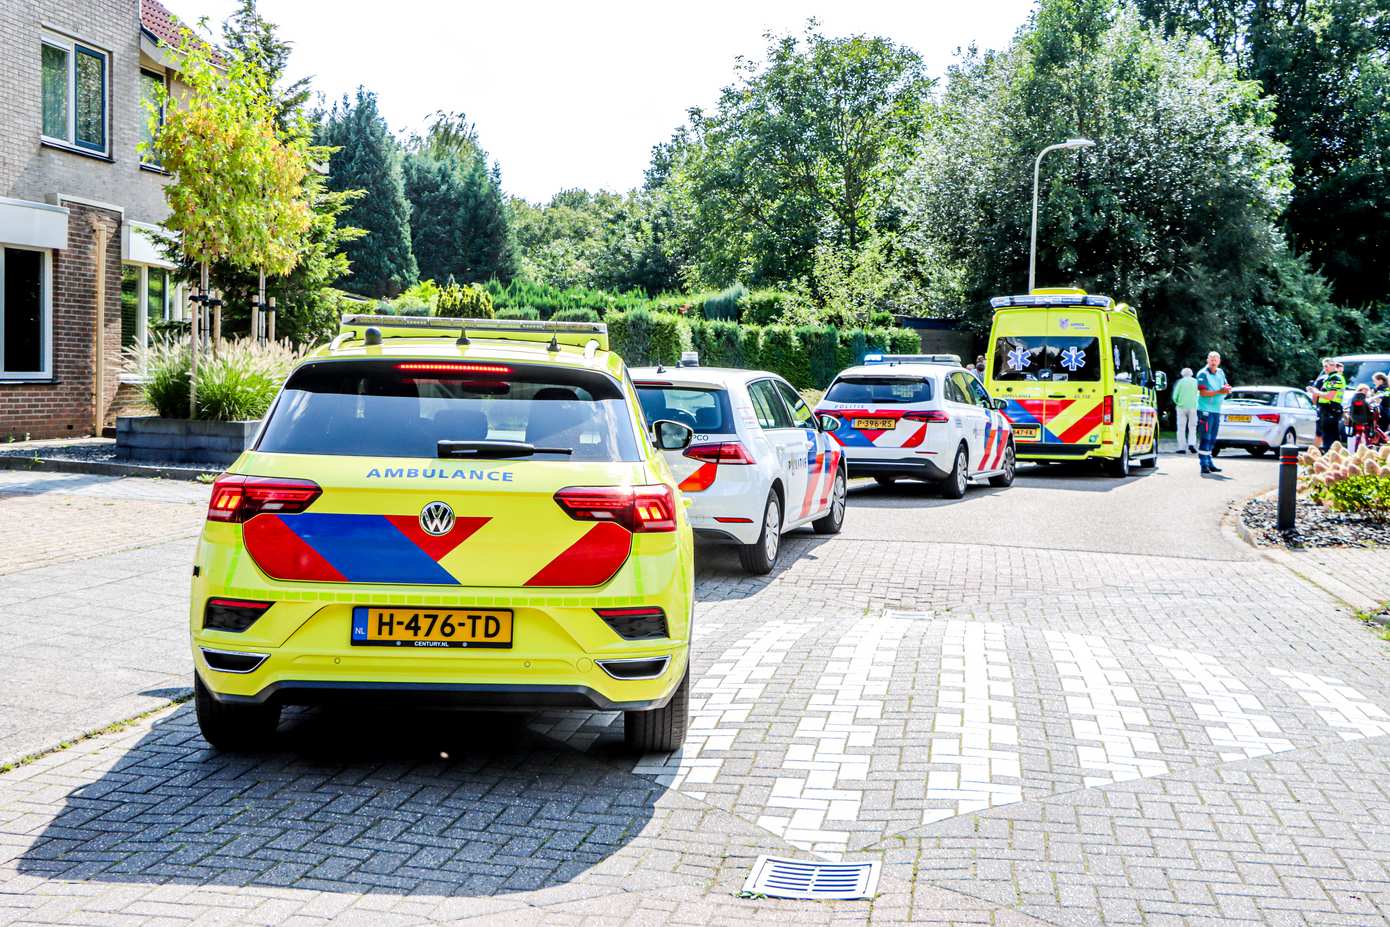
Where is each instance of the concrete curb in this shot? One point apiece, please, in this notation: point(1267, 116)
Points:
point(100, 468)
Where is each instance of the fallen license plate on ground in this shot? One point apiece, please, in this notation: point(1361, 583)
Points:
point(879, 423)
point(1237, 418)
point(1026, 432)
point(409, 627)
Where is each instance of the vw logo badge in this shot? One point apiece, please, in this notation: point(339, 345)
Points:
point(437, 519)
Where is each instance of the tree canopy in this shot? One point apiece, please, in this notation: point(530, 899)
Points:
point(368, 158)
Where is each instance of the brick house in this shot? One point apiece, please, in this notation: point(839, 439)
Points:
point(76, 198)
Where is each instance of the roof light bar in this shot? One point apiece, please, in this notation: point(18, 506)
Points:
point(1101, 302)
point(912, 359)
point(441, 323)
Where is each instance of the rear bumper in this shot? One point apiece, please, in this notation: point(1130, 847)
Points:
point(1054, 450)
point(902, 466)
point(436, 695)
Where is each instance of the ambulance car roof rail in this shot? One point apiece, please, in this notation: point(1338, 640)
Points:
point(575, 334)
point(912, 359)
point(1053, 299)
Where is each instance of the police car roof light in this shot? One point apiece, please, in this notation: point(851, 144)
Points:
point(912, 359)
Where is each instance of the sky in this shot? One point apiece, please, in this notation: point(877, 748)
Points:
point(576, 94)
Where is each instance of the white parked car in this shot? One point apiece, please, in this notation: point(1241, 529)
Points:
point(1260, 418)
point(761, 462)
point(901, 417)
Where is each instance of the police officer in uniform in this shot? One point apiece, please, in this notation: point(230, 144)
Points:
point(1326, 391)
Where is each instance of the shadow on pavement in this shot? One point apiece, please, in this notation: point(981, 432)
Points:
point(719, 577)
point(446, 803)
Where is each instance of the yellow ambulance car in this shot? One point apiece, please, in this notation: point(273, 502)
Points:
point(1073, 371)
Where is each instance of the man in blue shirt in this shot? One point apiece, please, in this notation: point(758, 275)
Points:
point(1211, 392)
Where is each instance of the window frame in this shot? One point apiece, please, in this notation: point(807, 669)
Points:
point(142, 316)
point(150, 159)
point(45, 316)
point(792, 399)
point(73, 47)
point(778, 403)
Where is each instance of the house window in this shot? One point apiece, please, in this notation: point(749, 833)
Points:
point(74, 93)
point(24, 313)
point(151, 90)
point(145, 293)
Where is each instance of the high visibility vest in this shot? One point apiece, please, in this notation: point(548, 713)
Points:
point(1333, 383)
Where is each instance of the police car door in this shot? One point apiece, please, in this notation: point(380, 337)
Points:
point(821, 458)
point(776, 421)
point(966, 411)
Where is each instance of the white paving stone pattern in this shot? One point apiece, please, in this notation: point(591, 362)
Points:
point(834, 740)
point(1349, 712)
point(720, 701)
point(1236, 720)
point(1106, 715)
point(975, 729)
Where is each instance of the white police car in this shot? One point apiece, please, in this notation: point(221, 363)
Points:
point(920, 416)
point(761, 462)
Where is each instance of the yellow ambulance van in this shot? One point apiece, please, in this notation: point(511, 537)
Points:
point(1074, 374)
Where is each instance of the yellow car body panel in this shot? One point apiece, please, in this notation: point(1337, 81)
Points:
point(1088, 393)
point(359, 535)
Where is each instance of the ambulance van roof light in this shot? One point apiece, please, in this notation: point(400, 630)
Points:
point(1055, 299)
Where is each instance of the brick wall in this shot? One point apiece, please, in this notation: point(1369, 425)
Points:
point(63, 408)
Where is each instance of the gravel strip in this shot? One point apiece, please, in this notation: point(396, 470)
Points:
point(1314, 526)
point(103, 452)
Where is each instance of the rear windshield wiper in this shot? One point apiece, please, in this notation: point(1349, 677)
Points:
point(448, 449)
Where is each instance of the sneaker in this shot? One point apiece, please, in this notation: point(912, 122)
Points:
point(1213, 469)
point(1192, 449)
point(1181, 451)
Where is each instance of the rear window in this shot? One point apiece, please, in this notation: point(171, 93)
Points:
point(1254, 397)
point(403, 409)
point(879, 390)
point(1060, 358)
point(1362, 373)
point(704, 410)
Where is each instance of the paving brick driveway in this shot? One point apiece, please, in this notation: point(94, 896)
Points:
point(1022, 735)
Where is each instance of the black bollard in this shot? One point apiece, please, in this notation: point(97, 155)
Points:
point(1288, 485)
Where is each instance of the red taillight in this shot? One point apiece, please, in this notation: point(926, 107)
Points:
point(724, 452)
point(635, 624)
point(1271, 417)
point(1107, 410)
point(238, 498)
point(232, 614)
point(637, 508)
point(932, 416)
point(453, 367)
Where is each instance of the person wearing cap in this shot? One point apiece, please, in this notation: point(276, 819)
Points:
point(1326, 391)
point(1185, 409)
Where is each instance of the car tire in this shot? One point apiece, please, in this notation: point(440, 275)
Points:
point(832, 521)
point(233, 728)
point(660, 730)
point(1010, 466)
point(1257, 450)
point(953, 487)
point(760, 557)
point(886, 482)
point(1119, 467)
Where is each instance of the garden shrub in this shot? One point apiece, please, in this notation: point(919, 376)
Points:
point(516, 312)
point(575, 315)
point(644, 338)
point(1345, 482)
point(764, 307)
point(818, 345)
point(468, 302)
point(780, 351)
point(882, 319)
point(725, 304)
point(724, 344)
point(237, 385)
point(904, 341)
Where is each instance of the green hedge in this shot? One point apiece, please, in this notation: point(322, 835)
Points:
point(809, 356)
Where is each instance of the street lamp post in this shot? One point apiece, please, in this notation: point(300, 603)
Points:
point(1033, 244)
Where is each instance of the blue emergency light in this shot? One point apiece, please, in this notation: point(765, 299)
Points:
point(912, 359)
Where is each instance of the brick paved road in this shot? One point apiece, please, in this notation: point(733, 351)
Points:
point(1023, 735)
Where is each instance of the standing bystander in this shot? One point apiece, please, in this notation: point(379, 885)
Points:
point(1185, 411)
point(1211, 392)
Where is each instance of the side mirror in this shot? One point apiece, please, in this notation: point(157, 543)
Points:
point(1160, 380)
point(998, 405)
point(828, 423)
point(672, 436)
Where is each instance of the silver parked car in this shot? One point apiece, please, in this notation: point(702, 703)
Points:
point(1260, 418)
